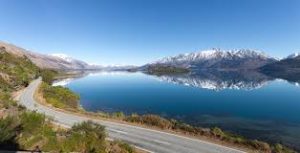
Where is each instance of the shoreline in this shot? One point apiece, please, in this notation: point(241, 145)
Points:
point(151, 139)
point(97, 115)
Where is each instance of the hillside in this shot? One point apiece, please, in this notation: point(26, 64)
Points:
point(15, 71)
point(48, 61)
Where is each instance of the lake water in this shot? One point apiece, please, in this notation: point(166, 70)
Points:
point(246, 103)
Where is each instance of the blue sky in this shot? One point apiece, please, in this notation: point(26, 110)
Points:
point(139, 31)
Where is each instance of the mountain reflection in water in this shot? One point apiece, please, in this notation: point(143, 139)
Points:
point(250, 103)
point(219, 80)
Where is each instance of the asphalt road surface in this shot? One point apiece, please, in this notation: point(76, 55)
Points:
point(149, 140)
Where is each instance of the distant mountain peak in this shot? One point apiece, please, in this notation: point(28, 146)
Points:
point(217, 58)
point(54, 61)
point(63, 56)
point(216, 53)
point(293, 55)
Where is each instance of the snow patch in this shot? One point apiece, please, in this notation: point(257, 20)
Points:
point(62, 56)
point(212, 54)
point(294, 55)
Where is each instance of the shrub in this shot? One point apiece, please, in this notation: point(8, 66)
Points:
point(19, 69)
point(102, 114)
point(152, 120)
point(60, 97)
point(4, 85)
point(217, 132)
point(32, 122)
point(36, 129)
point(259, 145)
point(48, 75)
point(278, 148)
point(120, 147)
point(8, 129)
point(6, 101)
point(86, 137)
point(119, 115)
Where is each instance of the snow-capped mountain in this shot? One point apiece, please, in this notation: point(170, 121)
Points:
point(77, 63)
point(294, 55)
point(218, 59)
point(63, 56)
point(287, 68)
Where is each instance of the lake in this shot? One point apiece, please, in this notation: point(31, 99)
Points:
point(247, 103)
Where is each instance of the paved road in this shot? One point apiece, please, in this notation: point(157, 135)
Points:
point(150, 140)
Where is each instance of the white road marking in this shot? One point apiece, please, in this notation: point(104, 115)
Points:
point(118, 131)
point(161, 142)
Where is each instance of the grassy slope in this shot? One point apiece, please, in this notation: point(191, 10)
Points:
point(16, 71)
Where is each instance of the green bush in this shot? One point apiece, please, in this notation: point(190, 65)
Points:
point(151, 120)
point(6, 100)
point(259, 145)
point(278, 148)
point(20, 69)
point(35, 128)
point(8, 129)
point(32, 122)
point(85, 137)
point(60, 97)
point(217, 132)
point(48, 75)
point(4, 85)
point(120, 147)
point(119, 115)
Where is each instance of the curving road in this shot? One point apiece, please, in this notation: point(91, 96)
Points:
point(146, 139)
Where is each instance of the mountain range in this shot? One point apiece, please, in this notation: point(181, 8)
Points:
point(56, 61)
point(208, 59)
point(218, 59)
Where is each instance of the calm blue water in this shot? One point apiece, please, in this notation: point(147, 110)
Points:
point(258, 107)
